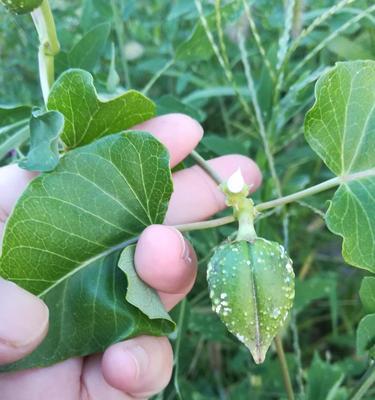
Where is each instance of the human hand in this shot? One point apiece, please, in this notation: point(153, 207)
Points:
point(139, 367)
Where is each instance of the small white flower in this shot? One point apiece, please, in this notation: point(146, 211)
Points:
point(236, 182)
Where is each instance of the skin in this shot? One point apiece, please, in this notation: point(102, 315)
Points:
point(139, 367)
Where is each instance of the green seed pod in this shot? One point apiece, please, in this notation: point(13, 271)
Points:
point(21, 6)
point(252, 289)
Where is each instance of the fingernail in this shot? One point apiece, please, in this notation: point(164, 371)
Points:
point(185, 247)
point(23, 317)
point(137, 356)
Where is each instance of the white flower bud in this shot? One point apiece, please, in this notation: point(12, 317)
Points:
point(236, 182)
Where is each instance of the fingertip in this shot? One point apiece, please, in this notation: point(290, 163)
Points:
point(23, 322)
point(165, 260)
point(140, 367)
point(13, 181)
point(178, 132)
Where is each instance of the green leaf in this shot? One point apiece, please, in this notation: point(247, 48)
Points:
point(366, 335)
point(86, 117)
point(341, 130)
point(45, 129)
point(98, 197)
point(367, 294)
point(14, 129)
point(87, 51)
point(312, 289)
point(113, 78)
point(322, 378)
point(10, 114)
point(139, 294)
point(88, 313)
point(197, 46)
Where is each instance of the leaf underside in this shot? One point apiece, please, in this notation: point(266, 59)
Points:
point(138, 293)
point(98, 197)
point(341, 129)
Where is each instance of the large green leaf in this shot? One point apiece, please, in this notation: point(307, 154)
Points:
point(341, 129)
point(98, 197)
point(87, 118)
point(88, 313)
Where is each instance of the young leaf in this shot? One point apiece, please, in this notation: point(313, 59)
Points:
point(87, 51)
point(45, 129)
point(66, 221)
point(88, 313)
point(86, 117)
point(139, 294)
point(341, 130)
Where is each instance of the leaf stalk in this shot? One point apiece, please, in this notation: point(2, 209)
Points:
point(48, 48)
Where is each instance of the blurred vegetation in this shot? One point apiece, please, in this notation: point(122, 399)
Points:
point(163, 49)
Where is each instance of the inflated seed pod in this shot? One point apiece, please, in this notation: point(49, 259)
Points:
point(21, 6)
point(252, 289)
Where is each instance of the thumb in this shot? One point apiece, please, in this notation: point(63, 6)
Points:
point(23, 322)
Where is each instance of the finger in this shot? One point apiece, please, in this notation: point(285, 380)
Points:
point(13, 181)
point(23, 322)
point(196, 196)
point(94, 386)
point(58, 382)
point(165, 260)
point(139, 367)
point(179, 133)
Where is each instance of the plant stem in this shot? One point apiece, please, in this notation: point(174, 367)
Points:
point(329, 184)
point(367, 381)
point(48, 48)
point(213, 223)
point(284, 367)
point(258, 113)
point(206, 166)
point(156, 76)
point(120, 34)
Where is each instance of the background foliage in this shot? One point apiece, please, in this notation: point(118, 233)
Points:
point(163, 49)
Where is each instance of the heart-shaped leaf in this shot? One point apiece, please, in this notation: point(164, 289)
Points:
point(45, 129)
point(87, 118)
point(139, 294)
point(341, 129)
point(98, 197)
